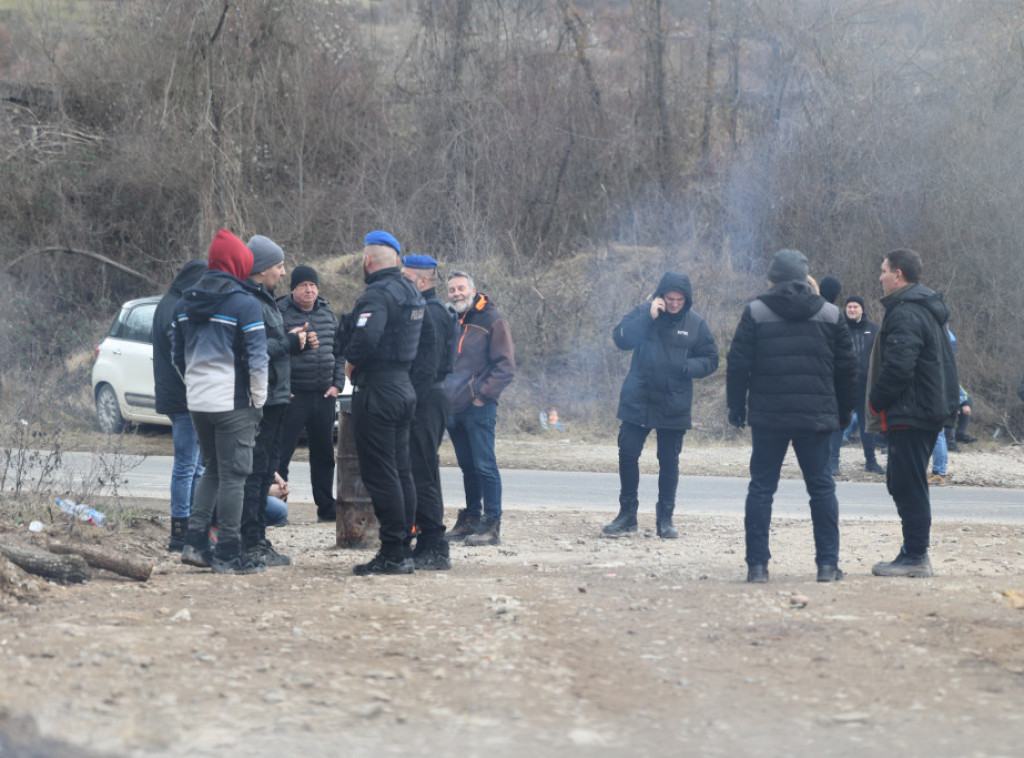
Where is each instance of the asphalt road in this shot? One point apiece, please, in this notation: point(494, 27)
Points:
point(527, 489)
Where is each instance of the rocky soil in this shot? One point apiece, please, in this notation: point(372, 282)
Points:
point(557, 642)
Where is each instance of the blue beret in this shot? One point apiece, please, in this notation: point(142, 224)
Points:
point(383, 238)
point(419, 261)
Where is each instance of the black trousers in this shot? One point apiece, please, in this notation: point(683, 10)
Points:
point(257, 484)
point(432, 409)
point(906, 480)
point(316, 414)
point(382, 413)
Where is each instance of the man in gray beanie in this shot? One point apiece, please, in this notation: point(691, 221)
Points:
point(792, 361)
point(268, 271)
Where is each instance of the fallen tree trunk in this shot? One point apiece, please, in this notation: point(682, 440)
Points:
point(66, 569)
point(100, 558)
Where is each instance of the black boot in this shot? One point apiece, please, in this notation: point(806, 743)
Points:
point(179, 530)
point(465, 524)
point(432, 556)
point(390, 560)
point(663, 521)
point(196, 551)
point(487, 532)
point(229, 558)
point(625, 521)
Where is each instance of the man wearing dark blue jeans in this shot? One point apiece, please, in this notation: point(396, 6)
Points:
point(671, 347)
point(792, 362)
point(171, 400)
point(484, 366)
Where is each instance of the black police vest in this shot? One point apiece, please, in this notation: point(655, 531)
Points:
point(401, 338)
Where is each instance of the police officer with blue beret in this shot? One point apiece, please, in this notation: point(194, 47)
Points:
point(385, 333)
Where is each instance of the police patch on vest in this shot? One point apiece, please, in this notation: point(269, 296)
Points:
point(363, 318)
point(683, 332)
point(416, 314)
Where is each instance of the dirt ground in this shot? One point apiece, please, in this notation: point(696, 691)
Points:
point(557, 642)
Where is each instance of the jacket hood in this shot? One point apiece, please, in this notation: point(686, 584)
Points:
point(679, 283)
point(203, 301)
point(793, 300)
point(190, 273)
point(932, 301)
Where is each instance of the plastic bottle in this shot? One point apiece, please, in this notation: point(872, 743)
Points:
point(82, 511)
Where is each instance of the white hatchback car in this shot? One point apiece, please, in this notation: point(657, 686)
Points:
point(122, 371)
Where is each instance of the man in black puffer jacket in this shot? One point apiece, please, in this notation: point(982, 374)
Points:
point(914, 392)
point(171, 400)
point(792, 362)
point(671, 347)
point(318, 376)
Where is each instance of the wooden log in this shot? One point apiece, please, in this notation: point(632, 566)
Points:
point(66, 569)
point(96, 556)
point(356, 525)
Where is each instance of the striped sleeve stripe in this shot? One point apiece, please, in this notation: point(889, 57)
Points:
point(254, 327)
point(224, 320)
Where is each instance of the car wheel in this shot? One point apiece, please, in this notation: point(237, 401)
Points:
point(108, 413)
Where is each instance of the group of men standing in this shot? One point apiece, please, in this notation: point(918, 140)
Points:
point(254, 371)
point(243, 374)
point(792, 375)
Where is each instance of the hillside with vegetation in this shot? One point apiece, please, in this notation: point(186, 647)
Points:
point(566, 152)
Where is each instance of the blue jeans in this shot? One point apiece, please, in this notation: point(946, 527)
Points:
point(812, 453)
point(472, 435)
point(940, 454)
point(188, 467)
point(277, 511)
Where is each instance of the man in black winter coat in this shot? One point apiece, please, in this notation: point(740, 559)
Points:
point(318, 376)
point(171, 400)
point(792, 363)
point(863, 333)
point(434, 361)
point(914, 392)
point(671, 347)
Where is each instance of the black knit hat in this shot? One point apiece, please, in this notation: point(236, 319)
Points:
point(830, 288)
point(788, 266)
point(302, 274)
point(856, 299)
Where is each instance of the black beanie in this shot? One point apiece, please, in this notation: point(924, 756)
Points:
point(830, 288)
point(302, 274)
point(856, 299)
point(788, 266)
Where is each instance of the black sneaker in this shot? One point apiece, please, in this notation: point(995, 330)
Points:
point(242, 562)
point(465, 524)
point(327, 514)
point(265, 551)
point(918, 567)
point(432, 560)
point(966, 438)
point(385, 564)
point(757, 573)
point(829, 572)
point(873, 467)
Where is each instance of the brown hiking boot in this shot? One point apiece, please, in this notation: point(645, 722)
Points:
point(465, 524)
point(487, 532)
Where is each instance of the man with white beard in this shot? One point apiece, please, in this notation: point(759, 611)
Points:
point(484, 365)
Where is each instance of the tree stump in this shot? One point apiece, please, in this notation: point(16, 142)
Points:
point(356, 525)
point(66, 569)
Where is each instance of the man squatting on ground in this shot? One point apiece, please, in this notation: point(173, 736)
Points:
point(671, 347)
point(171, 401)
point(388, 317)
point(914, 393)
point(318, 376)
point(220, 348)
point(484, 366)
point(267, 272)
point(435, 358)
point(792, 362)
